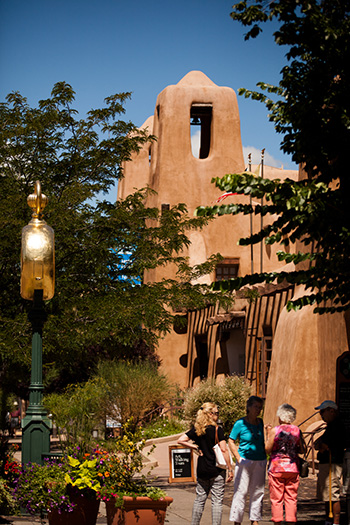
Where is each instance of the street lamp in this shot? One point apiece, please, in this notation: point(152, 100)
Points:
point(37, 285)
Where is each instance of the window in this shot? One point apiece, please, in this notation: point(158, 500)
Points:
point(202, 356)
point(227, 269)
point(201, 116)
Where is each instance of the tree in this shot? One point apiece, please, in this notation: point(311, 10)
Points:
point(311, 109)
point(101, 308)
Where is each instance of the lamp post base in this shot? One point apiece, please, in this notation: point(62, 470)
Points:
point(36, 429)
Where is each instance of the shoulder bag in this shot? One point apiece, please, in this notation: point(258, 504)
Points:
point(220, 460)
point(303, 467)
point(303, 462)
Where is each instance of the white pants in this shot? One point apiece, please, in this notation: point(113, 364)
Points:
point(249, 478)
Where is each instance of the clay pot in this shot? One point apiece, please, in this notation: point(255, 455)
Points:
point(85, 513)
point(138, 510)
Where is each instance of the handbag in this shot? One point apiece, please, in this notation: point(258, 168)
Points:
point(220, 460)
point(303, 467)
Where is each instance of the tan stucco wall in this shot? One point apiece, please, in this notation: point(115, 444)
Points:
point(303, 369)
point(137, 172)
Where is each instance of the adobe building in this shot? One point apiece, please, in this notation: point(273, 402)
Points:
point(287, 357)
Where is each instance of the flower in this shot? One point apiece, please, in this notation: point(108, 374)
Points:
point(42, 488)
point(120, 465)
point(55, 484)
point(107, 474)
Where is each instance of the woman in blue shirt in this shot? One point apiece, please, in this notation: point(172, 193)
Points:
point(250, 467)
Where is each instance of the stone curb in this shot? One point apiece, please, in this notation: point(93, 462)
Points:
point(150, 461)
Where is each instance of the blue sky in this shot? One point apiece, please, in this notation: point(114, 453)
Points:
point(102, 47)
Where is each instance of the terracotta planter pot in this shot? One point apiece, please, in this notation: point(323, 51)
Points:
point(138, 510)
point(85, 513)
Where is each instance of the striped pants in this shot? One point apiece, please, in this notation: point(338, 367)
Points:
point(216, 486)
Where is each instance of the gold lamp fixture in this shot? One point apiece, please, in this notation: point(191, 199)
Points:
point(38, 251)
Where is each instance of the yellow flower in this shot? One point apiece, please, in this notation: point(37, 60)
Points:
point(107, 474)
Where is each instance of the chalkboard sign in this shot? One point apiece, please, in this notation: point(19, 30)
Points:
point(343, 391)
point(180, 464)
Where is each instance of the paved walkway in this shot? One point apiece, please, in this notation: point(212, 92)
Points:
point(310, 511)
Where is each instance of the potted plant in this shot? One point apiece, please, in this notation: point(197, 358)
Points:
point(7, 503)
point(128, 496)
point(9, 471)
point(66, 491)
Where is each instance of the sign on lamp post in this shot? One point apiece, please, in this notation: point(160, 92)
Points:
point(37, 285)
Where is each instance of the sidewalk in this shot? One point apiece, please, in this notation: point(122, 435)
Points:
point(310, 510)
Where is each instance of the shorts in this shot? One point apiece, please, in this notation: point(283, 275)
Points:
point(323, 481)
point(346, 474)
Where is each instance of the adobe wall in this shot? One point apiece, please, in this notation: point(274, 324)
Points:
point(303, 368)
point(137, 172)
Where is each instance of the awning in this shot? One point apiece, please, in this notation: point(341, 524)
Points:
point(228, 320)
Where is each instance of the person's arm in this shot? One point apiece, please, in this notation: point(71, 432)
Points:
point(226, 453)
point(234, 449)
point(268, 429)
point(320, 445)
point(270, 440)
point(185, 441)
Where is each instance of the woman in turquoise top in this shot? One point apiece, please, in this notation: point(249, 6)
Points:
point(250, 463)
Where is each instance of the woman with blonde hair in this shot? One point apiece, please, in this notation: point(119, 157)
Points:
point(210, 479)
point(284, 443)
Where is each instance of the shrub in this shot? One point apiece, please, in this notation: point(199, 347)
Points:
point(230, 396)
point(122, 391)
point(131, 390)
point(162, 427)
point(77, 412)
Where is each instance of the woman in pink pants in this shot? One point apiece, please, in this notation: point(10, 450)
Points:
point(284, 443)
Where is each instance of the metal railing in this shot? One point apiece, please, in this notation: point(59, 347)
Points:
point(309, 438)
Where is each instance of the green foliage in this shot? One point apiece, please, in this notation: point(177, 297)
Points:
point(8, 505)
point(56, 484)
point(311, 109)
point(76, 413)
point(112, 471)
point(122, 391)
point(131, 390)
point(9, 467)
point(42, 488)
point(101, 308)
point(230, 396)
point(162, 427)
point(83, 474)
point(121, 467)
point(299, 210)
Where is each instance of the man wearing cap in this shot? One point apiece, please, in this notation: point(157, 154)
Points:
point(330, 446)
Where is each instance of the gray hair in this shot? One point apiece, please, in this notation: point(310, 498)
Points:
point(286, 413)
